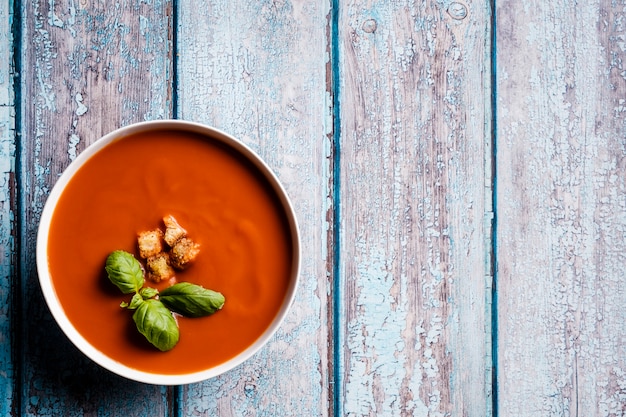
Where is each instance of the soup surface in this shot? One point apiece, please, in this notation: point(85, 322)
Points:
point(225, 206)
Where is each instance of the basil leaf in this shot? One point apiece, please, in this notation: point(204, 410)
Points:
point(148, 292)
point(156, 323)
point(124, 271)
point(191, 300)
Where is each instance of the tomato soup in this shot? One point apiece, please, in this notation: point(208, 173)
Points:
point(226, 206)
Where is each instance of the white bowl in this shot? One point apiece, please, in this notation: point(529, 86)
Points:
point(54, 303)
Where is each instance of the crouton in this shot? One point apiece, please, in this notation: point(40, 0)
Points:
point(158, 267)
point(184, 251)
point(150, 243)
point(173, 231)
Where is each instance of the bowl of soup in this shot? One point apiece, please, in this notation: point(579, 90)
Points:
point(228, 203)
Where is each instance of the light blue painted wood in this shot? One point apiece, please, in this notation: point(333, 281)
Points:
point(258, 70)
point(561, 143)
point(415, 208)
point(7, 209)
point(414, 201)
point(87, 68)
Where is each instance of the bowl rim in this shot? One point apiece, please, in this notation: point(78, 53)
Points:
point(54, 304)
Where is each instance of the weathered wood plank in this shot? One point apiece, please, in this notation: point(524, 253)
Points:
point(415, 208)
point(7, 209)
point(258, 71)
point(561, 208)
point(87, 68)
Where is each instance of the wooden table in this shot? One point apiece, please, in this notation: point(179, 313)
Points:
point(458, 169)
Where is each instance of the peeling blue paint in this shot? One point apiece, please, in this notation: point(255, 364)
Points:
point(7, 215)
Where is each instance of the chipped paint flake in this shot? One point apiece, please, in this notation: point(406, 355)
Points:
point(74, 140)
point(81, 109)
point(53, 19)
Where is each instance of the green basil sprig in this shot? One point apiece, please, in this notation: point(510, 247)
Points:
point(191, 300)
point(152, 315)
point(124, 271)
point(157, 324)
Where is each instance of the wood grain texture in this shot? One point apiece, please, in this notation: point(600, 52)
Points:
point(414, 198)
point(7, 209)
point(258, 71)
point(561, 207)
point(88, 67)
point(415, 208)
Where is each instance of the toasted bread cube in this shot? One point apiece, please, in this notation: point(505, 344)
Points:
point(173, 231)
point(150, 243)
point(183, 252)
point(158, 267)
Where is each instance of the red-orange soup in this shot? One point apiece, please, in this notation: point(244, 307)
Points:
point(225, 205)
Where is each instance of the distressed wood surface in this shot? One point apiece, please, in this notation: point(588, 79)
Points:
point(381, 120)
point(561, 181)
point(7, 210)
point(414, 198)
point(87, 68)
point(258, 71)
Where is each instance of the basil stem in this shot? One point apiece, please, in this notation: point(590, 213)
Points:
point(191, 300)
point(124, 271)
point(157, 324)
